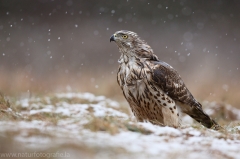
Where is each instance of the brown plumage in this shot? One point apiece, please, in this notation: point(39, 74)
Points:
point(153, 88)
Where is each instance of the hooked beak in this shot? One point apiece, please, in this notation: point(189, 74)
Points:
point(112, 38)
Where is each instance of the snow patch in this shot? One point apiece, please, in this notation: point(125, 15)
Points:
point(161, 142)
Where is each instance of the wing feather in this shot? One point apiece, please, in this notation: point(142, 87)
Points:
point(168, 79)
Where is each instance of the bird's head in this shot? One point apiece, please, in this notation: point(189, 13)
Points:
point(124, 38)
point(129, 42)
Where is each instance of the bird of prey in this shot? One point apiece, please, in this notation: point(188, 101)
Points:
point(154, 89)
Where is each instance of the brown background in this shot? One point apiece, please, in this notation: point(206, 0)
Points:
point(48, 46)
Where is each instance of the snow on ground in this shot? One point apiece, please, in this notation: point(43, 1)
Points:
point(102, 127)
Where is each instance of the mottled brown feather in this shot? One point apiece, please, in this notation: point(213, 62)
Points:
point(154, 89)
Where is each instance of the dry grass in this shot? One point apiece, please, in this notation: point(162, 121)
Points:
point(108, 124)
point(113, 126)
point(22, 84)
point(7, 112)
point(4, 103)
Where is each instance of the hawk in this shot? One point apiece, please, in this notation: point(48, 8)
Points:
point(154, 89)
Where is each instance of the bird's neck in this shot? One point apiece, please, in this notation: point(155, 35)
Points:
point(126, 58)
point(137, 50)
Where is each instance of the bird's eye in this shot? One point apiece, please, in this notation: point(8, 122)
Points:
point(124, 36)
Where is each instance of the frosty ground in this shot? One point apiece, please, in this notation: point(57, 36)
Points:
point(82, 125)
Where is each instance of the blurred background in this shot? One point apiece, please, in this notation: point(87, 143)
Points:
point(63, 45)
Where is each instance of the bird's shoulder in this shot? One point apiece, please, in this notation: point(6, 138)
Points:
point(167, 79)
point(164, 72)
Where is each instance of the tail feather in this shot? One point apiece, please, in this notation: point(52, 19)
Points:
point(200, 116)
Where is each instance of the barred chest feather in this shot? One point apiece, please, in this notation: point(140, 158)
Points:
point(131, 75)
point(147, 102)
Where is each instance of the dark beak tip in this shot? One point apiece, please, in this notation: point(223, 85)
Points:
point(112, 38)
